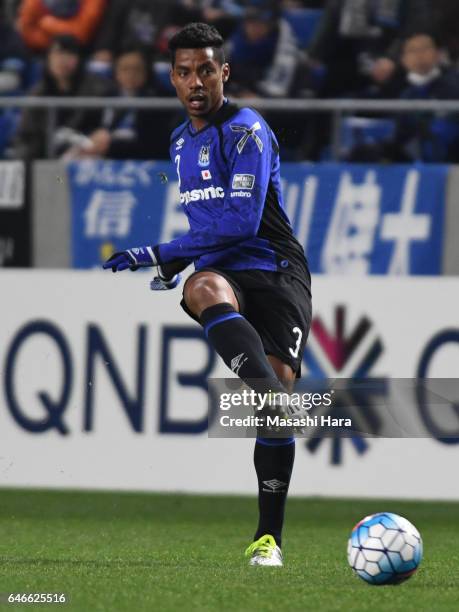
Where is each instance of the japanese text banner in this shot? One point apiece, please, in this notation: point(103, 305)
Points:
point(351, 219)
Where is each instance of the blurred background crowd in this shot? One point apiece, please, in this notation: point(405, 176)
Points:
point(366, 49)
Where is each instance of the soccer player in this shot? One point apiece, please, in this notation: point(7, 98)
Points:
point(251, 286)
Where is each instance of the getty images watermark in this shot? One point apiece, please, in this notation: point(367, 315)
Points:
point(250, 409)
point(377, 407)
point(278, 409)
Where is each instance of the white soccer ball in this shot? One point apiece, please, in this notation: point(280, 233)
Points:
point(384, 548)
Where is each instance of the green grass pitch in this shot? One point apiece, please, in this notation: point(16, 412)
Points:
point(134, 552)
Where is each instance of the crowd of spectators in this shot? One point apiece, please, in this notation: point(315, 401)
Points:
point(368, 49)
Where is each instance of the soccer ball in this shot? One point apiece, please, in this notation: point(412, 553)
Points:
point(384, 548)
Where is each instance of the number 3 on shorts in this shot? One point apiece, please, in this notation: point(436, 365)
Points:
point(299, 334)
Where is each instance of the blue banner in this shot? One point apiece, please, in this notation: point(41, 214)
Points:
point(351, 219)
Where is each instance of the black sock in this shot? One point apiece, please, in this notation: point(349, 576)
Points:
point(273, 459)
point(239, 345)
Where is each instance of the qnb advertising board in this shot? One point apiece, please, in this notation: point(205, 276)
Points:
point(349, 218)
point(104, 385)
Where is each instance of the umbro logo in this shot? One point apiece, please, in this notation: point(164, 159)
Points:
point(179, 144)
point(274, 486)
point(237, 362)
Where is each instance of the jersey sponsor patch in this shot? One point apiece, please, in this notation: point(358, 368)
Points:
point(204, 156)
point(243, 181)
point(209, 193)
point(248, 133)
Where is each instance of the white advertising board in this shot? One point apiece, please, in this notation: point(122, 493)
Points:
point(103, 386)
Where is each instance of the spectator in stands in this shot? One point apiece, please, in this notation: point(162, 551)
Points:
point(358, 41)
point(40, 21)
point(15, 62)
point(16, 73)
point(421, 136)
point(447, 25)
point(130, 133)
point(223, 14)
point(301, 4)
point(213, 11)
point(63, 77)
point(9, 9)
point(263, 52)
point(140, 22)
point(150, 25)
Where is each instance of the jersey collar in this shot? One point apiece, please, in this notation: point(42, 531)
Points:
point(225, 112)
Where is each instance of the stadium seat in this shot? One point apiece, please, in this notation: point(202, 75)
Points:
point(9, 120)
point(444, 135)
point(304, 23)
point(162, 79)
point(364, 131)
point(34, 73)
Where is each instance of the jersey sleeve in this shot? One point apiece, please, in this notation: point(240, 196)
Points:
point(247, 149)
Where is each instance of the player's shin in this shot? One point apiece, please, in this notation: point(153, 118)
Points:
point(239, 345)
point(273, 459)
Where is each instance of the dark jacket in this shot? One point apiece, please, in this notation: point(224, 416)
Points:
point(379, 33)
point(351, 35)
point(267, 67)
point(31, 138)
point(419, 136)
point(426, 136)
point(16, 66)
point(137, 134)
point(139, 22)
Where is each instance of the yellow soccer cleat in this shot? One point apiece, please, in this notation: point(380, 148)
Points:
point(265, 551)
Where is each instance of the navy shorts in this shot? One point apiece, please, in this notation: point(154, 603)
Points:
point(278, 306)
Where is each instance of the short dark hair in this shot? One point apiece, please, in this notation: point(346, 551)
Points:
point(134, 47)
point(66, 42)
point(431, 33)
point(198, 36)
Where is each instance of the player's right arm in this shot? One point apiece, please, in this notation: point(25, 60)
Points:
point(248, 152)
point(167, 275)
point(249, 159)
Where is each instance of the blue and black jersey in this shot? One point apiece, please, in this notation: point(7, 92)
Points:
point(230, 190)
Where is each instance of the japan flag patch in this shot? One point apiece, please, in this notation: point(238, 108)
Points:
point(206, 175)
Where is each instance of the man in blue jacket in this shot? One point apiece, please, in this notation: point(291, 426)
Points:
point(251, 286)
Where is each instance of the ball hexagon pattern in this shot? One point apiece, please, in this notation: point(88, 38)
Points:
point(384, 548)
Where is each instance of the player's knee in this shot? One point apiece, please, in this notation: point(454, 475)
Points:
point(206, 289)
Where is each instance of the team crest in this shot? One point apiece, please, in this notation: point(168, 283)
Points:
point(204, 156)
